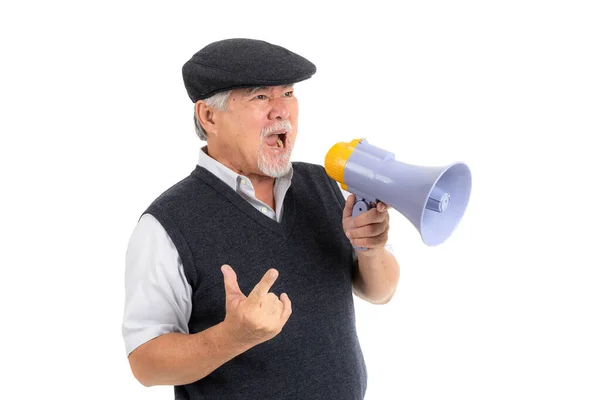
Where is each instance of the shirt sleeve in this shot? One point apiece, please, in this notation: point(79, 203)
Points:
point(157, 294)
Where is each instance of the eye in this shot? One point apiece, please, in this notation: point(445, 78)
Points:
point(261, 97)
point(289, 94)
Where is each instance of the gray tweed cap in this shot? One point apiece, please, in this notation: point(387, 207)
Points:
point(238, 63)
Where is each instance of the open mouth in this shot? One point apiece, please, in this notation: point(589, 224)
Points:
point(277, 140)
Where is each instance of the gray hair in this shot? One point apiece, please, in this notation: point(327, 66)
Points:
point(218, 101)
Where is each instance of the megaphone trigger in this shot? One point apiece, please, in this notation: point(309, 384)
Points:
point(361, 206)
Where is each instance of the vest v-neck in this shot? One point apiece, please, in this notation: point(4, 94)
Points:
point(283, 228)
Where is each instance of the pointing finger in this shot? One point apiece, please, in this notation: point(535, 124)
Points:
point(265, 284)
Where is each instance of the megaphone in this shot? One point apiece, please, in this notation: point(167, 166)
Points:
point(433, 199)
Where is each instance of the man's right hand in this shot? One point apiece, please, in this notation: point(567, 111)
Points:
point(258, 317)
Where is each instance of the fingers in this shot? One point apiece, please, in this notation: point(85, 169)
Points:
point(265, 284)
point(351, 200)
point(367, 231)
point(281, 306)
point(381, 207)
point(287, 308)
point(370, 229)
point(372, 216)
point(371, 242)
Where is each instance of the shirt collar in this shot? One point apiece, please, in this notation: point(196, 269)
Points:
point(229, 177)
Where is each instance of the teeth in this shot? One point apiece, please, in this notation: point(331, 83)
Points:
point(279, 143)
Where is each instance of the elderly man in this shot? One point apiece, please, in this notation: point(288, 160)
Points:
point(208, 256)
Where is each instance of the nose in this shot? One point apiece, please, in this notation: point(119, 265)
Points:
point(279, 110)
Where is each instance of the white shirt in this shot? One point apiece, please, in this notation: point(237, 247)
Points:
point(158, 298)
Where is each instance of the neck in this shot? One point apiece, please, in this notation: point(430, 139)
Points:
point(262, 184)
point(263, 189)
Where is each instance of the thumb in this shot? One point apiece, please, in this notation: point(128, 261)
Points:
point(232, 289)
point(350, 201)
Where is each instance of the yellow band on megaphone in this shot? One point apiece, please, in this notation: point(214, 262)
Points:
point(336, 159)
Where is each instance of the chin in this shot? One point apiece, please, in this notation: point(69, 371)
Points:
point(275, 171)
point(275, 168)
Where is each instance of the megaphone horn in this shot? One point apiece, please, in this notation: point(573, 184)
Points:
point(433, 199)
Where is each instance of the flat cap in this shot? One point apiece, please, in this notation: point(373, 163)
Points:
point(238, 63)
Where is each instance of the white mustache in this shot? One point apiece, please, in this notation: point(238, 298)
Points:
point(277, 126)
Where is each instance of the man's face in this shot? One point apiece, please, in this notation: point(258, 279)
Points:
point(258, 130)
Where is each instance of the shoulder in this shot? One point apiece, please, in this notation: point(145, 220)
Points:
point(308, 170)
point(314, 178)
point(149, 231)
point(311, 175)
point(178, 189)
point(186, 190)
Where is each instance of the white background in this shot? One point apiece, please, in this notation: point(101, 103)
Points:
point(95, 123)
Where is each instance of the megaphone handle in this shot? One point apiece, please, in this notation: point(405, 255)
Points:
point(361, 206)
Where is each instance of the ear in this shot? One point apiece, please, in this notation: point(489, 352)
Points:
point(206, 116)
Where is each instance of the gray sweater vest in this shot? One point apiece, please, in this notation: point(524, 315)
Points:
point(317, 355)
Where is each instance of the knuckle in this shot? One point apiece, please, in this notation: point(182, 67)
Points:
point(259, 326)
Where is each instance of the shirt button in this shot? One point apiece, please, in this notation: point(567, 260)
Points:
point(264, 210)
point(243, 181)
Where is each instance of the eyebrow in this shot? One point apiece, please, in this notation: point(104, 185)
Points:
point(252, 90)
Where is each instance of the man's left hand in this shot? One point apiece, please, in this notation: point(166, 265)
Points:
point(369, 230)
